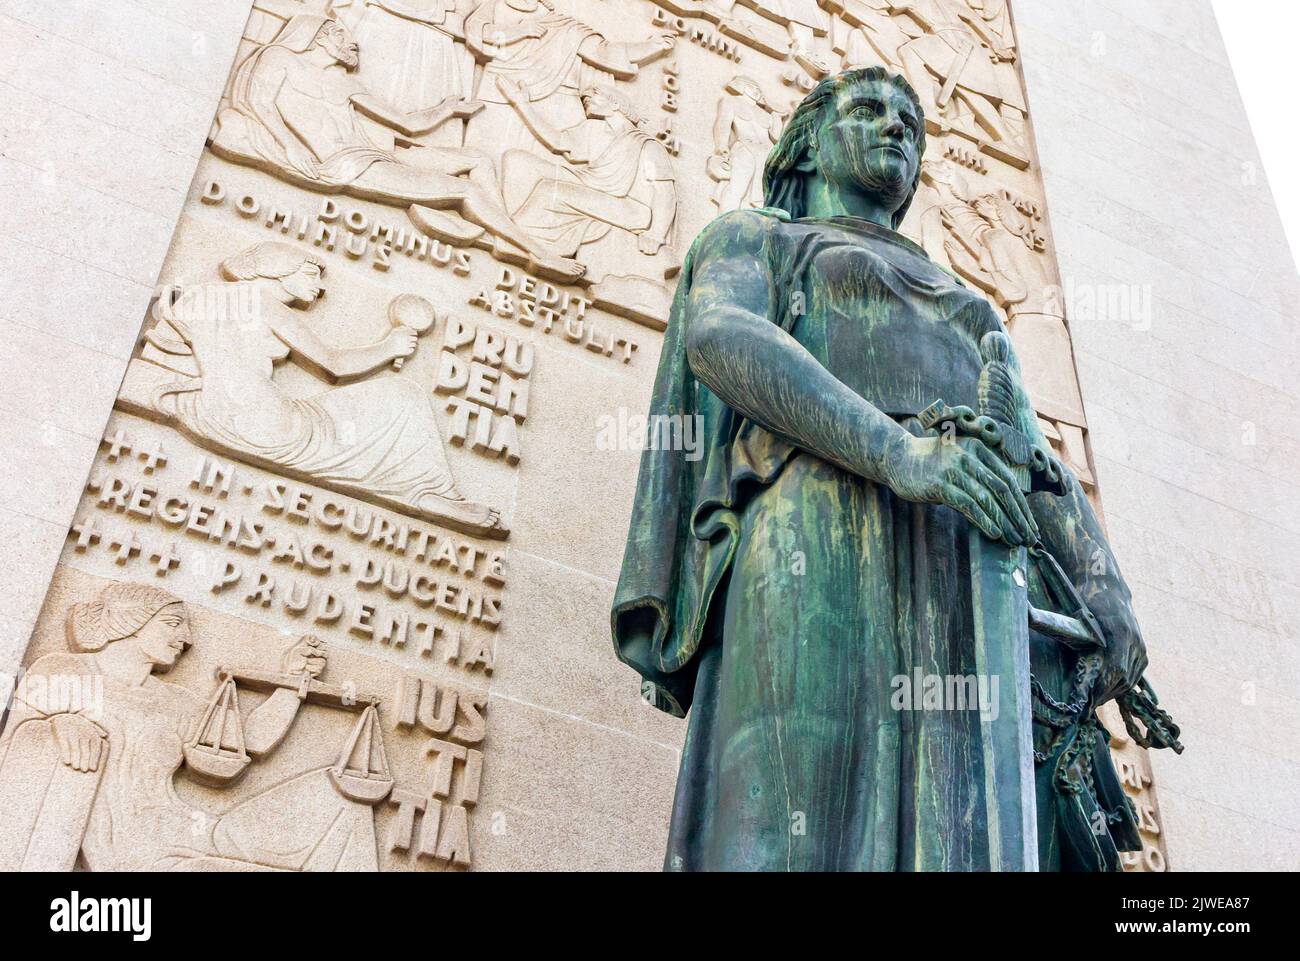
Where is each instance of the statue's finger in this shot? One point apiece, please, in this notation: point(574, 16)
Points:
point(982, 496)
point(1012, 496)
point(962, 502)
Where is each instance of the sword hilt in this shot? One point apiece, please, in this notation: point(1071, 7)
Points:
point(997, 421)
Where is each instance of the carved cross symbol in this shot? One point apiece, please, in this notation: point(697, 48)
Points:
point(117, 445)
point(126, 547)
point(87, 532)
point(165, 559)
point(153, 458)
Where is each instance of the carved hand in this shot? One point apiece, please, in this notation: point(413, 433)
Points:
point(966, 475)
point(648, 244)
point(467, 108)
point(664, 39)
point(574, 153)
point(529, 31)
point(82, 743)
point(301, 160)
point(400, 343)
point(306, 656)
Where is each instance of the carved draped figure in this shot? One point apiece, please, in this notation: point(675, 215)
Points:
point(780, 598)
point(345, 149)
point(131, 814)
point(413, 64)
point(552, 69)
point(614, 190)
point(377, 436)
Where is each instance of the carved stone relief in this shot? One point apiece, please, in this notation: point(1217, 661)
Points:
point(744, 131)
point(409, 212)
point(120, 755)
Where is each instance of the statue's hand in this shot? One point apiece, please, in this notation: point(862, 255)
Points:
point(82, 743)
point(663, 39)
point(648, 244)
point(306, 656)
point(400, 343)
point(966, 475)
point(1126, 652)
point(301, 160)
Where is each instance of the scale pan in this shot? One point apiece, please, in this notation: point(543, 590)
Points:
point(207, 765)
point(359, 788)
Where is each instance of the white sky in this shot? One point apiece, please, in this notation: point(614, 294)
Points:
point(1263, 42)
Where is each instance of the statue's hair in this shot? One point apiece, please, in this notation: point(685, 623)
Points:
point(270, 259)
point(120, 611)
point(739, 81)
point(784, 183)
point(620, 100)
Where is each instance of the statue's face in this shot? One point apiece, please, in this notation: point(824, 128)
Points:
point(598, 106)
point(986, 208)
point(338, 42)
point(165, 637)
point(868, 141)
point(304, 285)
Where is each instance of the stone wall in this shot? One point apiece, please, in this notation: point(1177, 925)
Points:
point(108, 108)
point(1155, 187)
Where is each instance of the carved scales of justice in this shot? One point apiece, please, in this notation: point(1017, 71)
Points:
point(218, 753)
point(1003, 618)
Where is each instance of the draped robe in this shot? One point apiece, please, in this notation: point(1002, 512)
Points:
point(778, 598)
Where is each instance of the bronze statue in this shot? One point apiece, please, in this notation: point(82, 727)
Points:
point(872, 532)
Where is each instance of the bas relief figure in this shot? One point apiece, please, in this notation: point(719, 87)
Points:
point(374, 435)
point(92, 779)
point(550, 58)
point(745, 129)
point(581, 170)
point(422, 63)
point(962, 66)
point(959, 56)
point(803, 20)
point(610, 174)
point(296, 109)
point(775, 590)
point(494, 123)
point(983, 237)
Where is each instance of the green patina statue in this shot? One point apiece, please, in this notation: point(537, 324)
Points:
point(872, 528)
